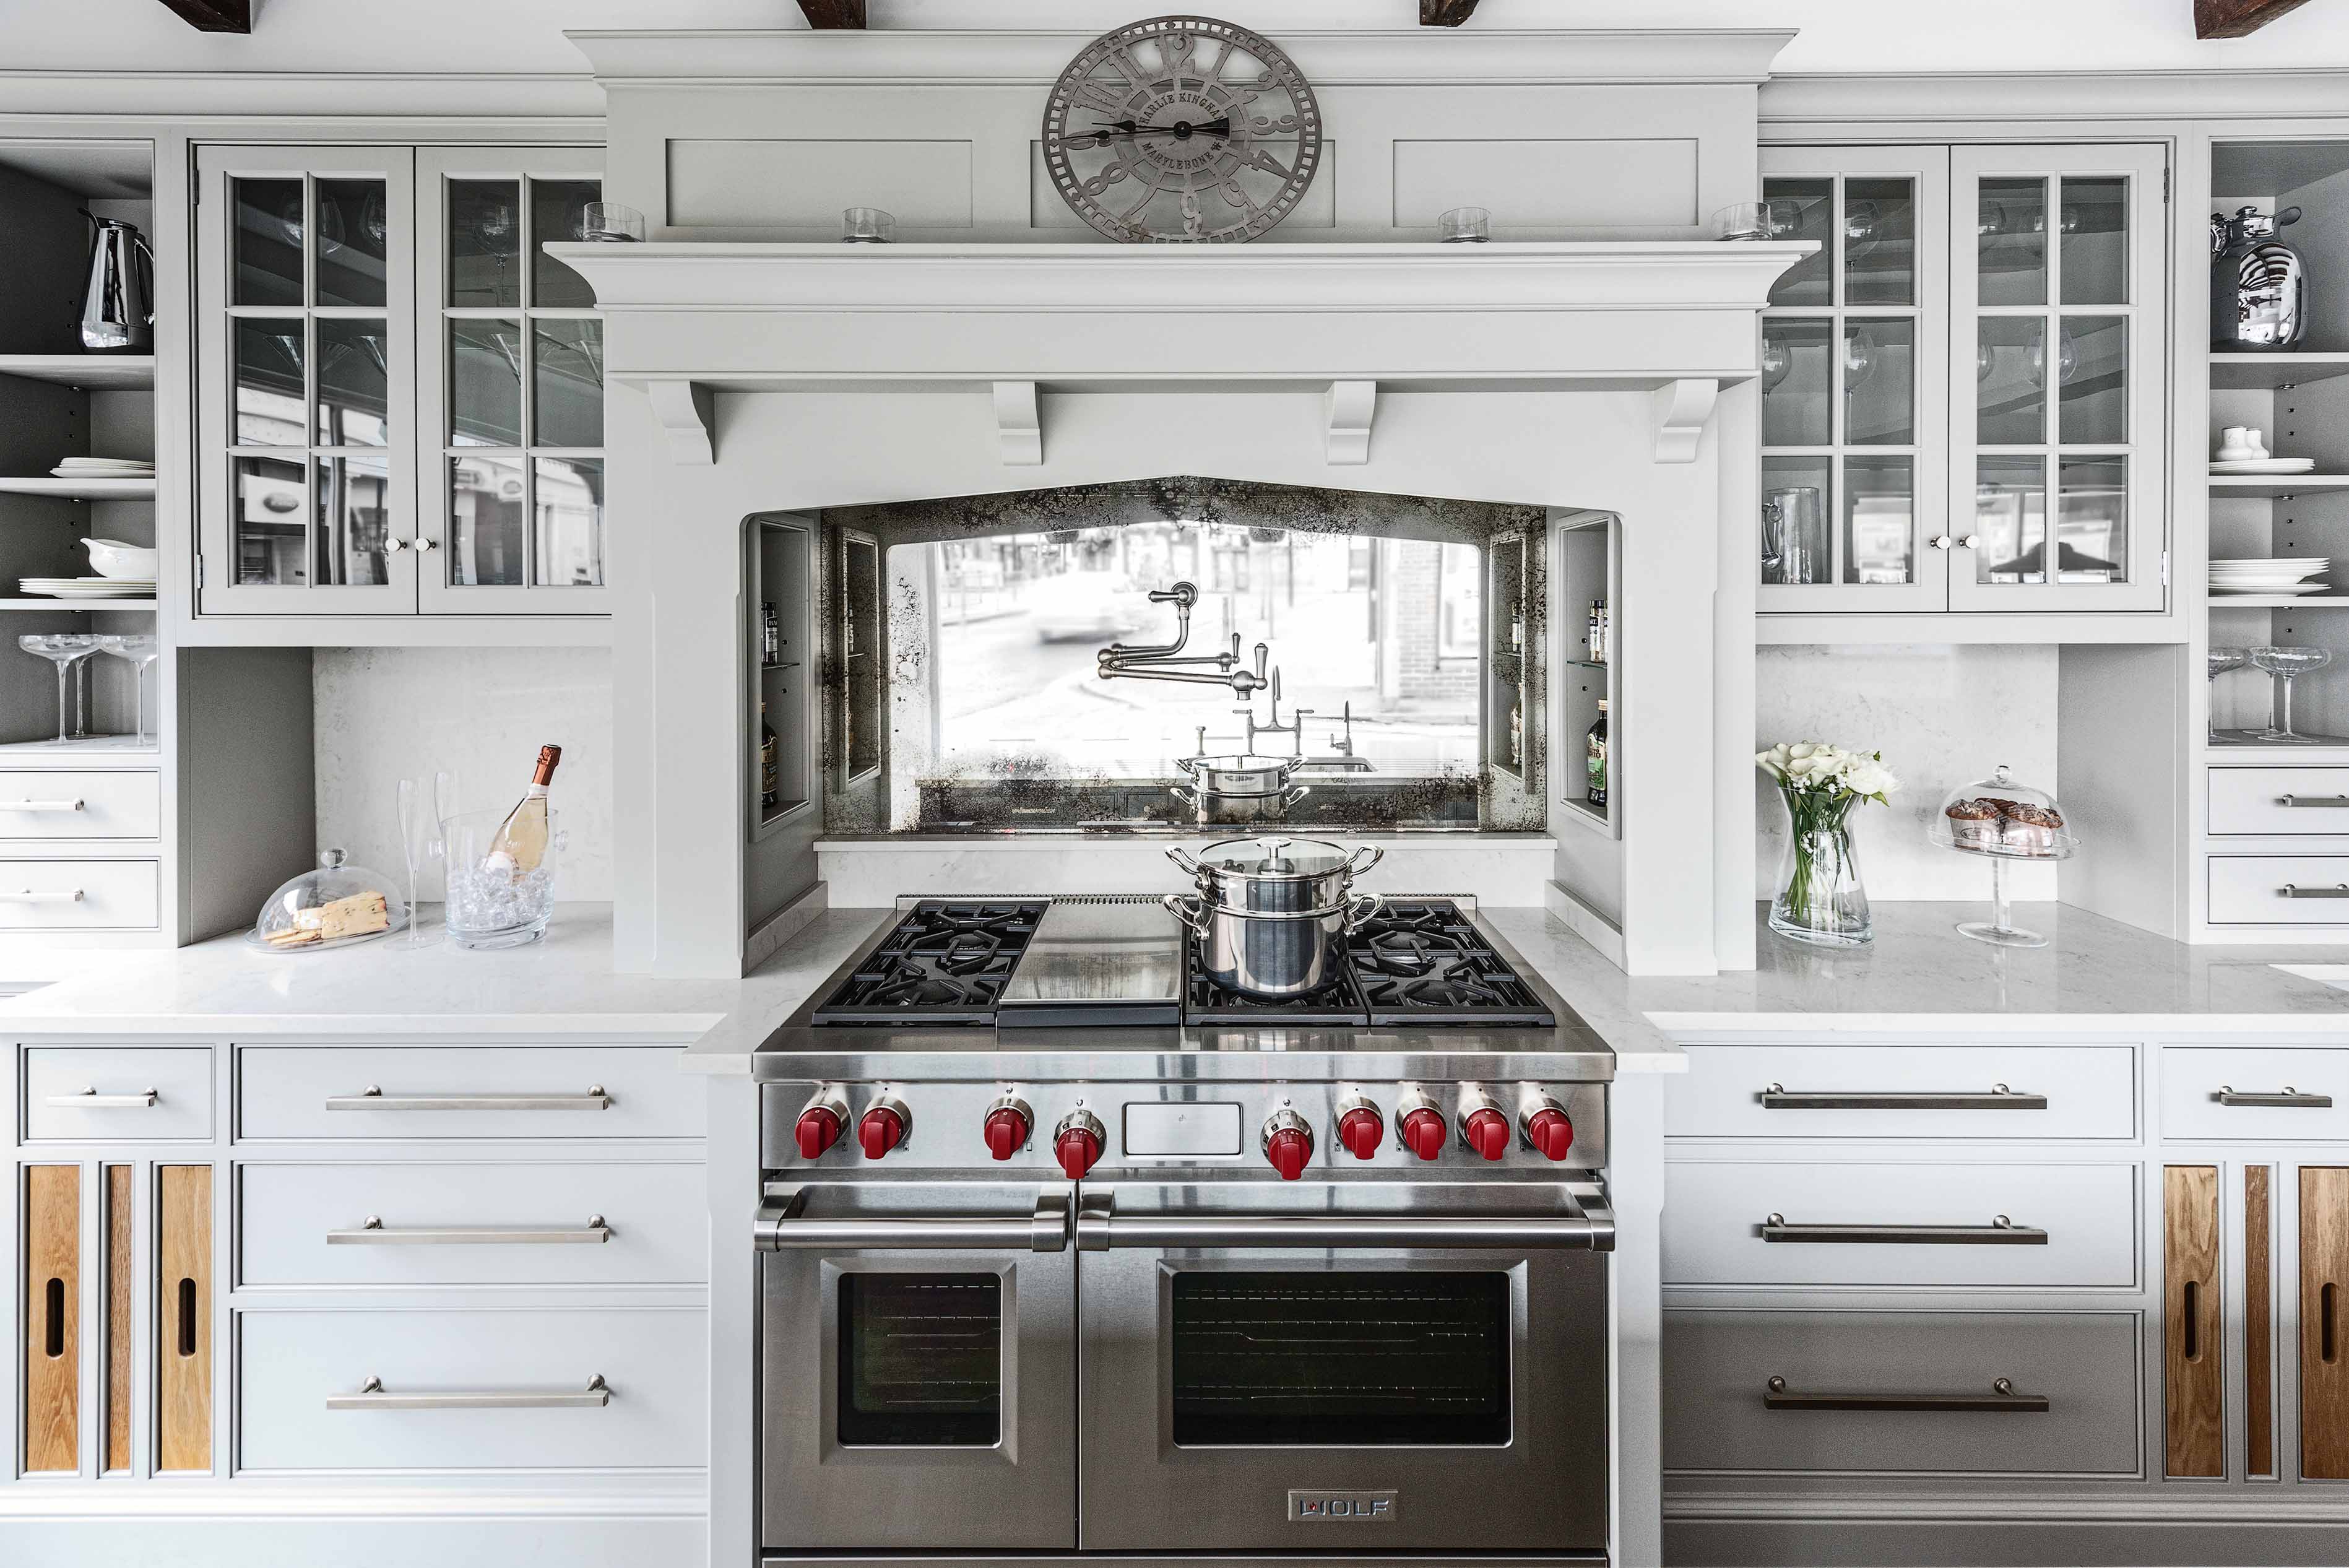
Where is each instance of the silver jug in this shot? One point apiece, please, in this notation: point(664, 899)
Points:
point(2259, 284)
point(118, 306)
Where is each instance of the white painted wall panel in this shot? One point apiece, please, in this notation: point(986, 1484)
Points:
point(1643, 182)
point(790, 182)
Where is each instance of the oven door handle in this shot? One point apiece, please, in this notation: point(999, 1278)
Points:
point(1589, 1227)
point(782, 1226)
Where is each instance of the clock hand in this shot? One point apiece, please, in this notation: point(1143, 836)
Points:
point(1126, 129)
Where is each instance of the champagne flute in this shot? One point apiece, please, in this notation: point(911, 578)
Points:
point(139, 653)
point(65, 649)
point(2287, 664)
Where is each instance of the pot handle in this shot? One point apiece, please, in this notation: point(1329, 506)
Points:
point(1187, 764)
point(1185, 859)
point(1185, 796)
point(1376, 853)
point(1191, 910)
point(1360, 909)
point(1295, 794)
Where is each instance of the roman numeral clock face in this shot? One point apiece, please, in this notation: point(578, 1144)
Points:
point(1182, 130)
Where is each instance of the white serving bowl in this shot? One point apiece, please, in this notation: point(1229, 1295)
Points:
point(113, 559)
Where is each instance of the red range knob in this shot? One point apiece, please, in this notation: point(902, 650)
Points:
point(880, 1130)
point(818, 1129)
point(1487, 1132)
point(1288, 1149)
point(1361, 1130)
point(1006, 1131)
point(1549, 1132)
point(1077, 1148)
point(1423, 1132)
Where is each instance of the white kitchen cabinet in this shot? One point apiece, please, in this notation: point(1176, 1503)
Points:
point(118, 1093)
point(2227, 1092)
point(1929, 1092)
point(525, 1092)
point(41, 806)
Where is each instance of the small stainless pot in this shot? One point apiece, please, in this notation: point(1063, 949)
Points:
point(1240, 774)
point(1276, 875)
point(1272, 956)
point(1212, 808)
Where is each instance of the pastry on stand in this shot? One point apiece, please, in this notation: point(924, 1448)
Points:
point(2003, 820)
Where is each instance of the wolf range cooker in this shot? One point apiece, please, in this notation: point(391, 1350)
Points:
point(1067, 1251)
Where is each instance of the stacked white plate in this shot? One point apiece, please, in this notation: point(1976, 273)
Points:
point(87, 587)
point(2288, 577)
point(104, 468)
point(2252, 465)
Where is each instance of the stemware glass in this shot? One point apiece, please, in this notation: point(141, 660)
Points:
point(65, 649)
point(139, 653)
point(2223, 659)
point(2287, 664)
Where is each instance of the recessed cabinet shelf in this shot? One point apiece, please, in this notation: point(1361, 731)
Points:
point(2260, 486)
point(2266, 372)
point(2276, 601)
point(90, 372)
point(779, 557)
point(81, 489)
point(80, 607)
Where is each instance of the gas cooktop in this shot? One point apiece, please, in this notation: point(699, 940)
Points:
point(946, 961)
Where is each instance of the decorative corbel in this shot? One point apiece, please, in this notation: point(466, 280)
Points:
point(683, 410)
point(1682, 409)
point(1351, 406)
point(1019, 429)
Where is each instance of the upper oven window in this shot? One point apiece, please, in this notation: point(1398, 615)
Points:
point(921, 1360)
point(1341, 1360)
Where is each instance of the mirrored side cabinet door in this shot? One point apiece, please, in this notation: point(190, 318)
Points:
point(305, 294)
point(510, 415)
point(1853, 361)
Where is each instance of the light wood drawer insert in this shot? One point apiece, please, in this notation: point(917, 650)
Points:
point(1904, 1393)
point(121, 1210)
point(183, 1319)
point(52, 1317)
point(2194, 1395)
point(1852, 1223)
point(80, 806)
point(1922, 1091)
point(102, 1093)
point(2279, 889)
point(2270, 1093)
point(80, 895)
point(2324, 1322)
point(344, 1224)
point(465, 1092)
point(472, 1390)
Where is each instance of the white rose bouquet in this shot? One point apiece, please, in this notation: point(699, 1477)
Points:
point(1823, 900)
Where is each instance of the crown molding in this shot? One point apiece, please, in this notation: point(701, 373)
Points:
point(519, 98)
point(1962, 97)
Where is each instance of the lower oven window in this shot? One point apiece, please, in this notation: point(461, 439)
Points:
point(921, 1360)
point(1341, 1360)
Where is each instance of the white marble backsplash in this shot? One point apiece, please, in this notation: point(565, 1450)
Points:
point(481, 713)
point(1942, 716)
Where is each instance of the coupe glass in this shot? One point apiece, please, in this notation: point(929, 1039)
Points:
point(65, 649)
point(139, 653)
point(2223, 659)
point(2286, 664)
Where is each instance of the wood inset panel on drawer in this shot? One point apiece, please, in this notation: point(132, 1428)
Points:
point(122, 1209)
point(478, 1091)
point(2276, 802)
point(2272, 1094)
point(100, 1093)
point(2258, 1318)
point(2194, 1392)
point(183, 1319)
point(1910, 1091)
point(111, 804)
point(2324, 1322)
point(1734, 1223)
point(52, 1317)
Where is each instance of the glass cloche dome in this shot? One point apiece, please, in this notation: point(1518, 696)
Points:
point(2003, 816)
point(332, 907)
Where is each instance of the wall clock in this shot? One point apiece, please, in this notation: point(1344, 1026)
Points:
point(1182, 130)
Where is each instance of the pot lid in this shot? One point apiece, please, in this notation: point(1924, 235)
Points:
point(1277, 858)
point(1243, 763)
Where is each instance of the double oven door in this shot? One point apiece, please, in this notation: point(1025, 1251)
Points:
point(1238, 1366)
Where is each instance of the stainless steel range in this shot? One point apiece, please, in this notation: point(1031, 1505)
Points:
point(1069, 1251)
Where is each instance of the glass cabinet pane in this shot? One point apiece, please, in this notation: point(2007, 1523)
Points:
point(353, 401)
point(1879, 241)
point(2095, 242)
point(921, 1360)
point(568, 385)
point(486, 503)
point(1879, 513)
point(354, 521)
point(267, 351)
point(1797, 381)
point(2010, 531)
point(353, 242)
point(558, 215)
point(568, 503)
point(484, 382)
point(1879, 375)
point(270, 527)
point(2092, 520)
point(2092, 371)
point(2011, 242)
point(1804, 210)
point(269, 226)
point(2010, 381)
point(485, 242)
point(1794, 544)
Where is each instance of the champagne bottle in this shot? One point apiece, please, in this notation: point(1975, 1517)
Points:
point(521, 840)
point(770, 765)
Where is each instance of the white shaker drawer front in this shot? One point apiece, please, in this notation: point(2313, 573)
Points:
point(2279, 889)
point(472, 1390)
point(1909, 1091)
point(2272, 1094)
point(80, 806)
point(464, 1092)
point(80, 895)
point(1741, 1223)
point(472, 1224)
point(1902, 1393)
point(2277, 800)
point(109, 1093)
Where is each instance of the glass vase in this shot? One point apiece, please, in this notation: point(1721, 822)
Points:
point(1820, 898)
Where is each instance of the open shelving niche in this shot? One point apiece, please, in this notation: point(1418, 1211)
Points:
point(1585, 564)
point(2301, 399)
point(778, 569)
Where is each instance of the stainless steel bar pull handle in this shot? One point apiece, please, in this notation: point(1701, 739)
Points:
point(782, 1226)
point(35, 896)
point(2002, 1398)
point(2293, 890)
point(1778, 1097)
point(1588, 1227)
point(89, 1099)
point(374, 1233)
point(2319, 802)
point(373, 1396)
point(373, 1099)
point(2290, 1099)
point(44, 806)
point(2000, 1232)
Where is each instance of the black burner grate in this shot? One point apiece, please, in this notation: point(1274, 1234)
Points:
point(1206, 1002)
point(1421, 961)
point(945, 962)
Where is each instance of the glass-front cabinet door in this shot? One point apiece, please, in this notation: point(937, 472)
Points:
point(1853, 356)
point(511, 406)
point(305, 290)
point(2057, 308)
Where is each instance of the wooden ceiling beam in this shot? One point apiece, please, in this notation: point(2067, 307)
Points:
point(2234, 18)
point(214, 15)
point(834, 15)
point(1445, 13)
